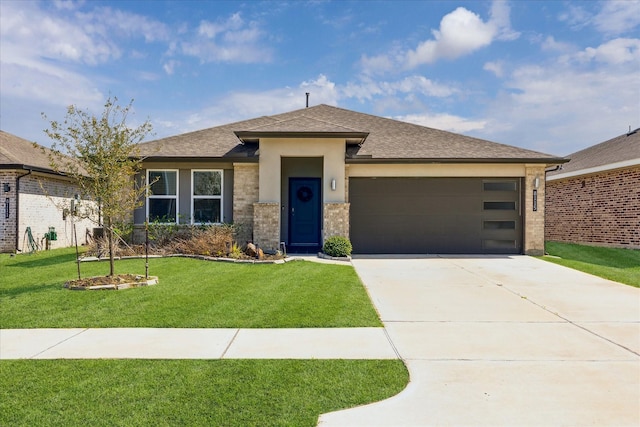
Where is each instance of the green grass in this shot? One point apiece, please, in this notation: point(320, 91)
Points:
point(191, 294)
point(189, 392)
point(620, 265)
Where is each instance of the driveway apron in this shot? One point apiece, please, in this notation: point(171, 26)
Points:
point(503, 341)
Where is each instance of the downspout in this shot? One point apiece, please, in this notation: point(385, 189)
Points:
point(18, 209)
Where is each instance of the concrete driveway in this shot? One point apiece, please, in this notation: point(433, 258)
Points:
point(503, 341)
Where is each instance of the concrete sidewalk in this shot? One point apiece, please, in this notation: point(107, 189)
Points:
point(503, 341)
point(150, 343)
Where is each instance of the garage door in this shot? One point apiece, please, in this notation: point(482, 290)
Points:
point(435, 215)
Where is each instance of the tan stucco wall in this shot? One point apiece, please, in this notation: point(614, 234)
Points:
point(273, 149)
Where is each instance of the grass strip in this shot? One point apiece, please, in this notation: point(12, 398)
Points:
point(191, 294)
point(189, 392)
point(619, 265)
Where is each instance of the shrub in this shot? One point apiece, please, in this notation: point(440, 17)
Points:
point(337, 246)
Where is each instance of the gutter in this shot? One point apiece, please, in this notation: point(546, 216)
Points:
point(595, 169)
point(370, 160)
point(18, 208)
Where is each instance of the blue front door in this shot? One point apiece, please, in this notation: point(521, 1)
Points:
point(304, 213)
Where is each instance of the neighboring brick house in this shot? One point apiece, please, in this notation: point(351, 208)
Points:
point(31, 194)
point(300, 177)
point(595, 198)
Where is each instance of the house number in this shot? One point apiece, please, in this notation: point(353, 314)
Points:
point(535, 200)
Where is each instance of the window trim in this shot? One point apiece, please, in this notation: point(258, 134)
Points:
point(164, 196)
point(207, 196)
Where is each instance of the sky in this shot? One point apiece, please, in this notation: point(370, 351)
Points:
point(551, 76)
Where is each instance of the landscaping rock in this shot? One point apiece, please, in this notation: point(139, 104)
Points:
point(251, 250)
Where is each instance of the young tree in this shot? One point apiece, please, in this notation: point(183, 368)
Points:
point(100, 155)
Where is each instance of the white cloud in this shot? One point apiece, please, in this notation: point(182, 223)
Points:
point(367, 89)
point(550, 44)
point(446, 122)
point(618, 17)
point(616, 51)
point(169, 66)
point(576, 16)
point(563, 106)
point(230, 40)
point(461, 33)
point(496, 67)
point(614, 17)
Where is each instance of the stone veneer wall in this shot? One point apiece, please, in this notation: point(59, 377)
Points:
point(598, 209)
point(245, 194)
point(336, 220)
point(534, 221)
point(266, 225)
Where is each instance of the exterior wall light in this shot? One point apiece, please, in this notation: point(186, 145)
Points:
point(536, 182)
point(333, 185)
point(6, 186)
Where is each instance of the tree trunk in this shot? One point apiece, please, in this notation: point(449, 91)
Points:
point(111, 248)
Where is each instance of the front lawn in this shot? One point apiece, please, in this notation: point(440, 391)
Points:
point(620, 265)
point(191, 294)
point(189, 392)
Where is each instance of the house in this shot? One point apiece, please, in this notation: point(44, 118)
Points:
point(31, 196)
point(595, 198)
point(297, 178)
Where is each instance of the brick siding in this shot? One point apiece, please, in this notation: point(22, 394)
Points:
point(600, 209)
point(8, 218)
point(336, 220)
point(42, 199)
point(534, 220)
point(266, 225)
point(245, 194)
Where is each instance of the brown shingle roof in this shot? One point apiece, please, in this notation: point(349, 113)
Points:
point(387, 140)
point(16, 152)
point(619, 149)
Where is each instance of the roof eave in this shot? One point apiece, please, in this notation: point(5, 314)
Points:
point(18, 166)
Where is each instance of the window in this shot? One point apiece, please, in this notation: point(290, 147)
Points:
point(500, 186)
point(206, 196)
point(162, 203)
point(499, 225)
point(499, 206)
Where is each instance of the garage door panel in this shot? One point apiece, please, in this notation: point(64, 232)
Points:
point(433, 215)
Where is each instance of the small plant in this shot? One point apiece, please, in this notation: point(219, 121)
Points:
point(337, 246)
point(236, 251)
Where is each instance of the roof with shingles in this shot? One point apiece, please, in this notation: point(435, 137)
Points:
point(386, 140)
point(20, 153)
point(622, 148)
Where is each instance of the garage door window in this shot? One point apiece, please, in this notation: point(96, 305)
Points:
point(499, 206)
point(499, 225)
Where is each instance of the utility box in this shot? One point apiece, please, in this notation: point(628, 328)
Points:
point(51, 235)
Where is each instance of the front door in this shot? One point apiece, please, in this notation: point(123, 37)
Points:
point(304, 214)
